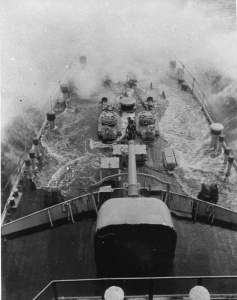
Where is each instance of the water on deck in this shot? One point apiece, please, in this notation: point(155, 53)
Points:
point(30, 262)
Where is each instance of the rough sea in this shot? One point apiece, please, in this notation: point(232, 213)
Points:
point(136, 39)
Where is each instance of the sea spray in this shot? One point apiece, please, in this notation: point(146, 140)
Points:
point(186, 129)
point(117, 38)
point(16, 143)
point(76, 176)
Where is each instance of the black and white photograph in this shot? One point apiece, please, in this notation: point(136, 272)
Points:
point(118, 150)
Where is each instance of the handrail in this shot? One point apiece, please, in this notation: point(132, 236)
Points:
point(185, 196)
point(191, 197)
point(67, 202)
point(221, 214)
point(200, 280)
point(147, 278)
point(199, 200)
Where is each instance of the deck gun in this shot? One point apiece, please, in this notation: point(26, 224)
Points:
point(135, 235)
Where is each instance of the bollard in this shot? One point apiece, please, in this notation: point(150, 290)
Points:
point(172, 64)
point(230, 164)
point(36, 147)
point(15, 192)
point(216, 130)
point(184, 86)
point(32, 157)
point(83, 59)
point(19, 187)
point(180, 75)
point(28, 168)
point(226, 153)
point(11, 201)
point(151, 86)
point(163, 95)
point(221, 143)
point(65, 91)
point(51, 118)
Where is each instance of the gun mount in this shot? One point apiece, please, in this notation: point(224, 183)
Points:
point(135, 235)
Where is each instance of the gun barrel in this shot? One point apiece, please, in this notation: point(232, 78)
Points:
point(132, 172)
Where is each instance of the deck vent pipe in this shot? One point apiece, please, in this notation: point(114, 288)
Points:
point(28, 167)
point(65, 91)
point(27, 162)
point(83, 59)
point(132, 172)
point(180, 75)
point(51, 118)
point(172, 64)
point(32, 157)
point(221, 143)
point(226, 153)
point(15, 193)
point(230, 164)
point(11, 201)
point(36, 147)
point(216, 130)
point(19, 187)
point(184, 86)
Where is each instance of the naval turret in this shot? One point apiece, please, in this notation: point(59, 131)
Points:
point(135, 235)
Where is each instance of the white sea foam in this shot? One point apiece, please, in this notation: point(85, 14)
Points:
point(186, 129)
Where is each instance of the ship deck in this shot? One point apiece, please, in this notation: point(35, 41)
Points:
point(30, 262)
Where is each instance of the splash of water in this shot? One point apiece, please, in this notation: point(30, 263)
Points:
point(186, 129)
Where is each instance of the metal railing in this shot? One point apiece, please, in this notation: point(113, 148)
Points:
point(200, 96)
point(188, 206)
point(150, 287)
point(66, 210)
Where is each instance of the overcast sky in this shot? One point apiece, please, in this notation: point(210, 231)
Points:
point(41, 38)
